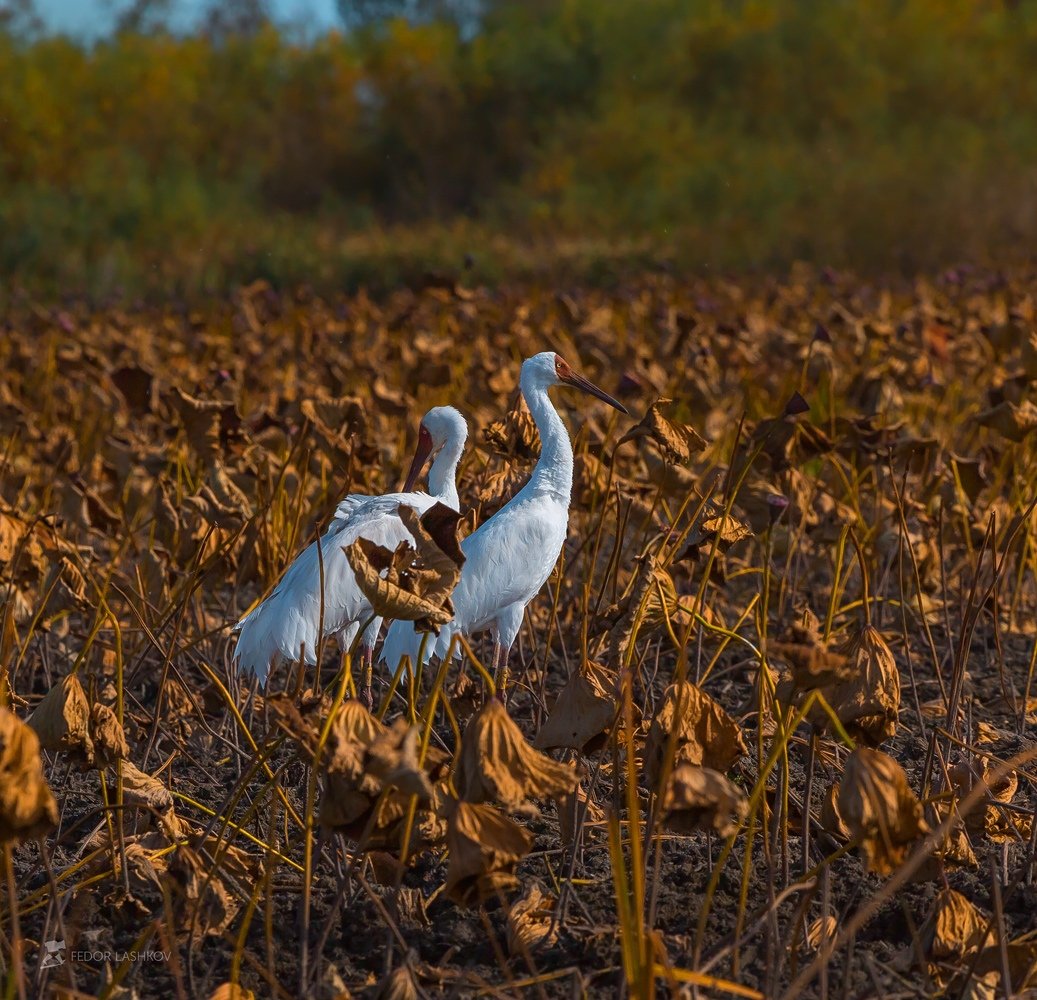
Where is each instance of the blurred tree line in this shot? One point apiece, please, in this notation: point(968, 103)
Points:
point(726, 133)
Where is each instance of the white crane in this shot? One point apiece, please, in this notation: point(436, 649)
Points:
point(285, 626)
point(509, 558)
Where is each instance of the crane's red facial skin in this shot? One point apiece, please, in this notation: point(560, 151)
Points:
point(565, 374)
point(421, 454)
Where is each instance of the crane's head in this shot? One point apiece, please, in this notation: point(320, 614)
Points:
point(440, 426)
point(548, 368)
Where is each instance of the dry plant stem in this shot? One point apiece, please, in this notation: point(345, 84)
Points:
point(1028, 687)
point(311, 796)
point(756, 922)
point(277, 491)
point(837, 581)
point(580, 810)
point(389, 923)
point(975, 606)
point(122, 969)
point(259, 887)
point(862, 563)
point(606, 493)
point(117, 844)
point(181, 612)
point(807, 797)
point(548, 635)
point(643, 978)
point(269, 868)
point(167, 936)
point(998, 918)
point(16, 966)
point(40, 605)
point(965, 635)
point(475, 662)
point(904, 542)
point(243, 727)
point(56, 902)
point(728, 635)
point(394, 683)
point(262, 759)
point(237, 792)
point(675, 542)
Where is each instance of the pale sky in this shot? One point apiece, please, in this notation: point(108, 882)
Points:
point(90, 18)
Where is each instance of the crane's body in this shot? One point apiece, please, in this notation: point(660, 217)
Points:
point(286, 626)
point(511, 555)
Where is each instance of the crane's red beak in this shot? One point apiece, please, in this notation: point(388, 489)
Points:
point(569, 377)
point(421, 454)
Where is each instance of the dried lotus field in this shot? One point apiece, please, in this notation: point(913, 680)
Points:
point(772, 729)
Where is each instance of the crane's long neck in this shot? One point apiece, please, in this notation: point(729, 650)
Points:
point(442, 477)
point(554, 469)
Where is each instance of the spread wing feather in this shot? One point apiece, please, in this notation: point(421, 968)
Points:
point(287, 622)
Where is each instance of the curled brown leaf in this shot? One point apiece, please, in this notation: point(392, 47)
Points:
point(879, 809)
point(866, 695)
point(701, 730)
point(413, 584)
point(583, 711)
point(676, 442)
point(496, 762)
point(484, 848)
point(27, 806)
point(699, 798)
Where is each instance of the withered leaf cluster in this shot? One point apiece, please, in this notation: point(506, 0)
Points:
point(676, 442)
point(163, 464)
point(699, 729)
point(859, 682)
point(700, 798)
point(90, 733)
point(413, 583)
point(484, 847)
point(370, 772)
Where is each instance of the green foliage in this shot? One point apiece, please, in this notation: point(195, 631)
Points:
point(727, 133)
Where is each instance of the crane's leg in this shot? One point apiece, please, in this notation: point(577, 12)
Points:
point(508, 623)
point(367, 643)
point(500, 670)
point(368, 670)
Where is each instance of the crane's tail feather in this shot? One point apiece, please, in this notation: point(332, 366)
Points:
point(403, 639)
point(271, 634)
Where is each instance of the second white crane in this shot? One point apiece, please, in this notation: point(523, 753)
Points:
point(286, 626)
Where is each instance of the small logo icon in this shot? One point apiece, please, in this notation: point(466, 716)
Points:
point(55, 954)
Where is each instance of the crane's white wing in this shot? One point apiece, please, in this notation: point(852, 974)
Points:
point(349, 504)
point(288, 621)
